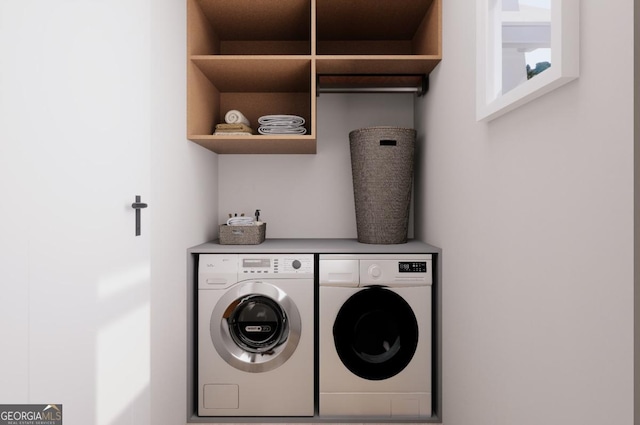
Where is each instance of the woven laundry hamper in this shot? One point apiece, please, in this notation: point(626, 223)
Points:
point(382, 169)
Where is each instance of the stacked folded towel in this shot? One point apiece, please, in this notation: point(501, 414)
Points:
point(281, 124)
point(236, 124)
point(233, 129)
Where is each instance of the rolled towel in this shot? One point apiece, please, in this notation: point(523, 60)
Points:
point(235, 117)
point(284, 120)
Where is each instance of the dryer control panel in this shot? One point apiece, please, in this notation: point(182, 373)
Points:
point(397, 270)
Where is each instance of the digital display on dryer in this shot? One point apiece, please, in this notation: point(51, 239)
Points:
point(412, 267)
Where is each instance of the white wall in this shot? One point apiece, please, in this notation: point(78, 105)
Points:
point(534, 213)
point(310, 196)
point(74, 84)
point(636, 111)
point(14, 227)
point(183, 210)
point(74, 142)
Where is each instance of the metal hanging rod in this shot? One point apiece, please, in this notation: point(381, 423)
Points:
point(396, 83)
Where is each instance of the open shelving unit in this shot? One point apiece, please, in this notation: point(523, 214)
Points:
point(263, 57)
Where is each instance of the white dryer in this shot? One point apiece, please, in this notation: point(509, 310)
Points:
point(255, 335)
point(375, 335)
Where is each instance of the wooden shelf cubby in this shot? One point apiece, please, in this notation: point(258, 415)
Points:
point(262, 57)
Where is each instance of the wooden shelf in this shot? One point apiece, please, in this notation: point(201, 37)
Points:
point(256, 73)
point(262, 57)
point(258, 144)
point(379, 27)
point(259, 19)
point(347, 64)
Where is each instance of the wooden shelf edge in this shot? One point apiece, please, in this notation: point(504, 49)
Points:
point(258, 144)
point(389, 65)
point(379, 57)
point(317, 57)
point(250, 57)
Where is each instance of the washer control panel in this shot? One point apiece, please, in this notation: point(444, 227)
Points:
point(220, 271)
point(276, 265)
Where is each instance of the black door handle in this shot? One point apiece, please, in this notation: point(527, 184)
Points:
point(137, 205)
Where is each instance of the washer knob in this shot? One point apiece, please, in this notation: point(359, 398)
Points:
point(296, 264)
point(375, 271)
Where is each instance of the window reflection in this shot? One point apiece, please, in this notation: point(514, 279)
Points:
point(526, 40)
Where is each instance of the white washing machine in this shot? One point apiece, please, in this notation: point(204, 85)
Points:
point(255, 335)
point(375, 335)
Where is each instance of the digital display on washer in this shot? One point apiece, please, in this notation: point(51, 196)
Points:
point(412, 266)
point(256, 262)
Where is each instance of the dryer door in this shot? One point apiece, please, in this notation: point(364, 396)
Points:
point(255, 326)
point(375, 333)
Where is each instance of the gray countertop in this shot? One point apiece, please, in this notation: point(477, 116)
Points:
point(316, 246)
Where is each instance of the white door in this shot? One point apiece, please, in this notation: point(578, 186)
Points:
point(74, 152)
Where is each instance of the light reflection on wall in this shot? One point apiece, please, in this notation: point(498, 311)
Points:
point(123, 346)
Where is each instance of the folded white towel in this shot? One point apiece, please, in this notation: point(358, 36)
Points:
point(286, 120)
point(240, 221)
point(282, 129)
point(234, 116)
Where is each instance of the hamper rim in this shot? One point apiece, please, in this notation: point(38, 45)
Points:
point(377, 128)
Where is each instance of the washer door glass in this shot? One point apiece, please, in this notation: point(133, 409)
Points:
point(375, 333)
point(258, 324)
point(255, 326)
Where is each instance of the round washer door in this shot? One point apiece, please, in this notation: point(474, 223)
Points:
point(375, 333)
point(255, 327)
